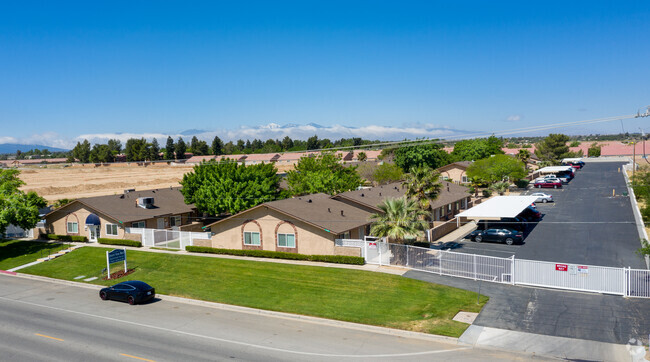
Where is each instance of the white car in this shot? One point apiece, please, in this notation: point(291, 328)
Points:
point(542, 197)
point(553, 178)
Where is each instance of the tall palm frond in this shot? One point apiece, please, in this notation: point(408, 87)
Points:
point(399, 219)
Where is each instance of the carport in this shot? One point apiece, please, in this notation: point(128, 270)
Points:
point(553, 170)
point(498, 207)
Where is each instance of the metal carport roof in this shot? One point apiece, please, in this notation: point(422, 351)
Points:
point(554, 169)
point(499, 207)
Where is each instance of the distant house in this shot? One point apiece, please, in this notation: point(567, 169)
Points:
point(451, 200)
point(199, 159)
point(255, 158)
point(306, 225)
point(455, 172)
point(109, 216)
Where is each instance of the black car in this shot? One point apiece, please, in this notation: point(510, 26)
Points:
point(516, 223)
point(530, 213)
point(500, 235)
point(133, 292)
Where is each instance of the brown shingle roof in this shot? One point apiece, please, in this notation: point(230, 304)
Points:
point(460, 164)
point(123, 207)
point(318, 210)
point(371, 197)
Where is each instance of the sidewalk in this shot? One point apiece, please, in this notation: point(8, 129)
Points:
point(458, 233)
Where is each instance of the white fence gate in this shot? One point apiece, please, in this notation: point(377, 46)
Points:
point(589, 278)
point(171, 239)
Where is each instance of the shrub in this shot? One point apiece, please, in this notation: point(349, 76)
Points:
point(487, 193)
point(76, 238)
point(124, 242)
point(422, 244)
point(339, 259)
point(522, 184)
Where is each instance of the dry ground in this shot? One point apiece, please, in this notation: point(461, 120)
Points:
point(58, 182)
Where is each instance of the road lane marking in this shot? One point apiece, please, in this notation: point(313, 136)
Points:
point(281, 350)
point(136, 357)
point(50, 337)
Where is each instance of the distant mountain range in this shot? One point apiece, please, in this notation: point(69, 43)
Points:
point(13, 147)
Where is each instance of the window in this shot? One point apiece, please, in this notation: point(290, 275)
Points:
point(464, 179)
point(138, 224)
point(449, 208)
point(287, 240)
point(345, 235)
point(111, 229)
point(445, 178)
point(175, 221)
point(251, 238)
point(73, 228)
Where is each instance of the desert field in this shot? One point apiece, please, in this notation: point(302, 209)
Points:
point(75, 182)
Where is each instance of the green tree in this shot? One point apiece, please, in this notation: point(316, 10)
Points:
point(523, 156)
point(362, 156)
point(227, 187)
point(217, 146)
point(323, 173)
point(137, 150)
point(494, 145)
point(101, 153)
point(115, 146)
point(313, 143)
point(423, 184)
point(387, 173)
point(496, 168)
point(554, 148)
point(169, 148)
point(82, 151)
point(400, 219)
point(470, 150)
point(287, 143)
point(17, 207)
point(430, 154)
point(180, 149)
point(155, 150)
point(593, 150)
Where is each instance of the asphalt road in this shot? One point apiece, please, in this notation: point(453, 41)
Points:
point(585, 225)
point(49, 321)
point(596, 317)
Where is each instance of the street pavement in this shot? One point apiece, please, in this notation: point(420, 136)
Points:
point(44, 320)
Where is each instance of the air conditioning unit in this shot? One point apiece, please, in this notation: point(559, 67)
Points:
point(145, 202)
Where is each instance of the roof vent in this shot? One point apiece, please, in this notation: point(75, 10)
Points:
point(328, 210)
point(122, 196)
point(128, 190)
point(342, 213)
point(447, 187)
point(145, 202)
point(309, 201)
point(362, 195)
point(380, 194)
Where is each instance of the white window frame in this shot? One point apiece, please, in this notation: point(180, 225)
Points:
point(139, 224)
point(173, 219)
point(110, 227)
point(464, 179)
point(76, 227)
point(345, 235)
point(286, 235)
point(250, 238)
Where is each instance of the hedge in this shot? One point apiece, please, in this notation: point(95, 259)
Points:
point(124, 242)
point(76, 238)
point(522, 184)
point(340, 259)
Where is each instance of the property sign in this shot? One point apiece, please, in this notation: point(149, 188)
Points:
point(115, 256)
point(561, 267)
point(573, 269)
point(583, 269)
point(372, 245)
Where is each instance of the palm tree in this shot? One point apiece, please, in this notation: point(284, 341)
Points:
point(423, 184)
point(399, 219)
point(523, 155)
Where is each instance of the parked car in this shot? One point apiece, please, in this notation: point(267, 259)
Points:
point(556, 184)
point(132, 292)
point(450, 245)
point(516, 223)
point(531, 214)
point(542, 197)
point(560, 177)
point(507, 236)
point(577, 165)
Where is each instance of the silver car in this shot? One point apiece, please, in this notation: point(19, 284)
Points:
point(542, 197)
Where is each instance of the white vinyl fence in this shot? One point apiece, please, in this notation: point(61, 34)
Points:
point(589, 278)
point(172, 239)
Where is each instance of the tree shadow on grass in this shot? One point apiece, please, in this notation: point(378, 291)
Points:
point(24, 247)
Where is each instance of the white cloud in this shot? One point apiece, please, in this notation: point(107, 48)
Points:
point(514, 118)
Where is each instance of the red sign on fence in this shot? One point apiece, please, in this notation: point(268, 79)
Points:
point(372, 245)
point(561, 267)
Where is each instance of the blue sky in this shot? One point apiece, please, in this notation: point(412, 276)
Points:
point(71, 69)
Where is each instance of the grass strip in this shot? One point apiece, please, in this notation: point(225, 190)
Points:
point(15, 253)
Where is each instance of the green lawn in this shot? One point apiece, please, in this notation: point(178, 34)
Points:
point(344, 294)
point(14, 253)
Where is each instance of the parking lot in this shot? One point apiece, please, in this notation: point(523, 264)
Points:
point(584, 225)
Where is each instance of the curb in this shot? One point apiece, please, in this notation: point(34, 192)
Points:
point(268, 313)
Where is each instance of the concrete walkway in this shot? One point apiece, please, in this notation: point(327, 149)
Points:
point(457, 234)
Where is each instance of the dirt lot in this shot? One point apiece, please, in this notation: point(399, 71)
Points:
point(75, 182)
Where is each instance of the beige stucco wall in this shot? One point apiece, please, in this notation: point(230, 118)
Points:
point(454, 174)
point(56, 222)
point(309, 239)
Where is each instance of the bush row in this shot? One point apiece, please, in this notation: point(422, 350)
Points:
point(340, 259)
point(76, 238)
point(125, 242)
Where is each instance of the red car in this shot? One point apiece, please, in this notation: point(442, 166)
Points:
point(548, 184)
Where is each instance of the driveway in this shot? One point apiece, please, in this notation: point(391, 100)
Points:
point(585, 225)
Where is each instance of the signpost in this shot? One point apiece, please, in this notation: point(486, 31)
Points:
point(561, 267)
point(115, 256)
